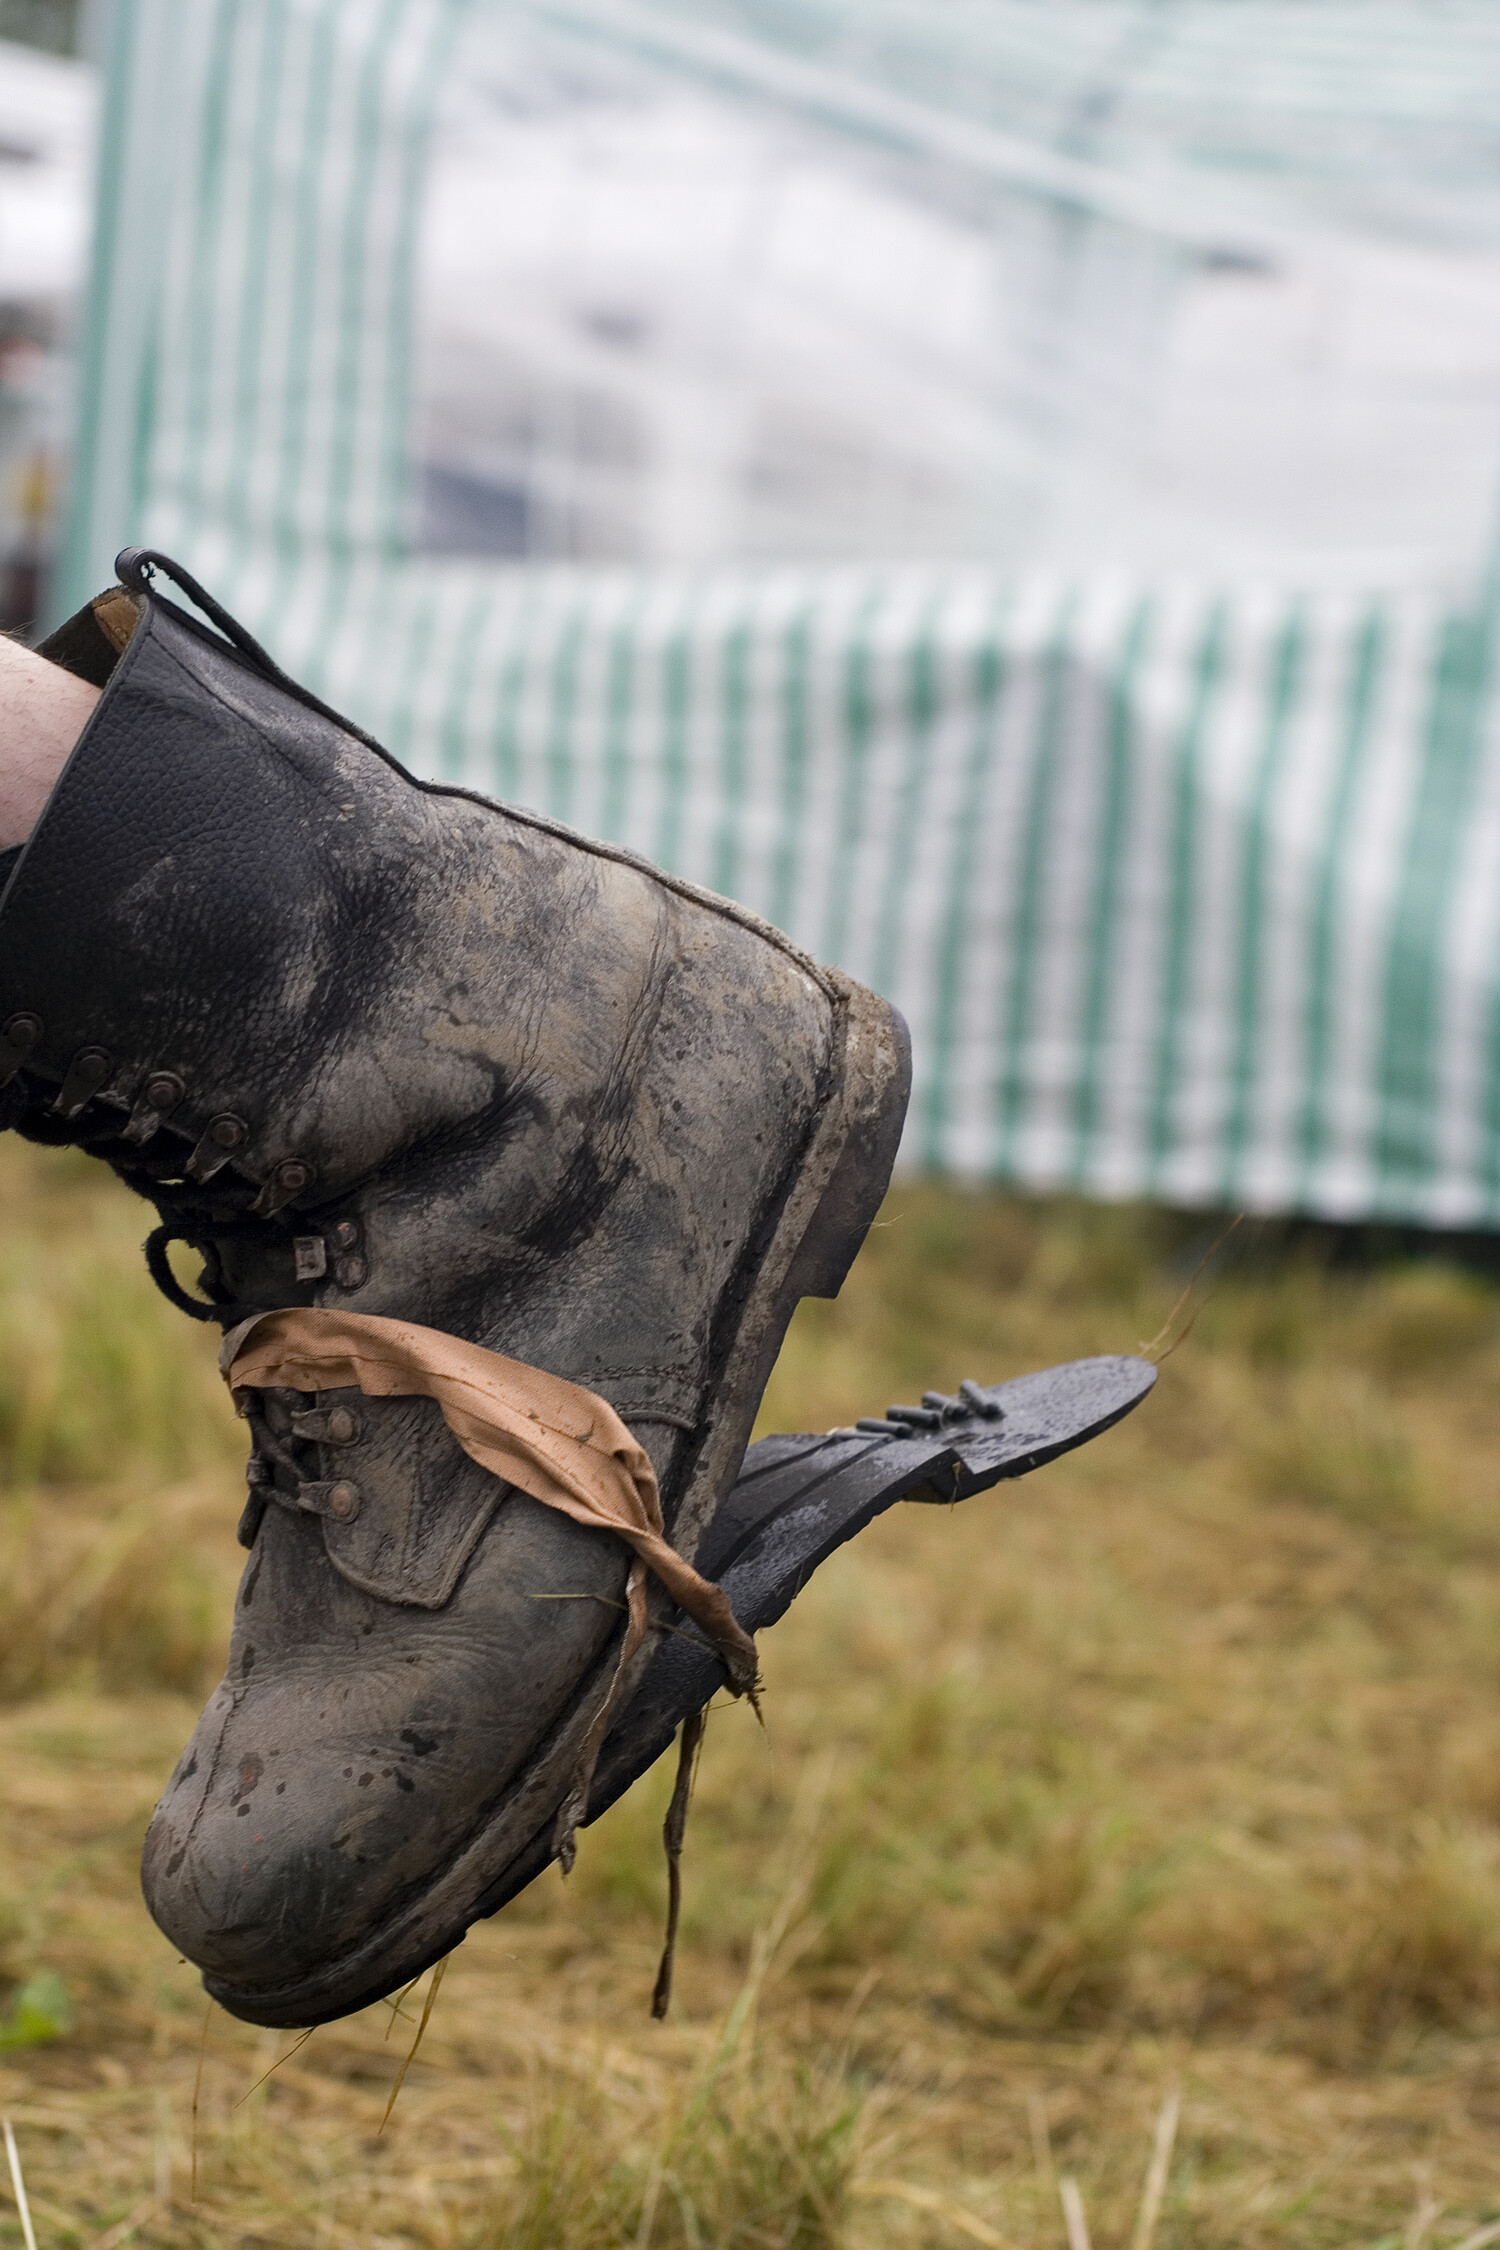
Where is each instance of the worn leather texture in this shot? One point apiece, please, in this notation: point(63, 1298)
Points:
point(485, 1076)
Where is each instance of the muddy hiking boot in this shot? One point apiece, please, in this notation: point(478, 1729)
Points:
point(382, 1048)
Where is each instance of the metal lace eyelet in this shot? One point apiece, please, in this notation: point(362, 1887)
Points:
point(288, 1180)
point(18, 1035)
point(324, 1425)
point(86, 1074)
point(159, 1096)
point(309, 1257)
point(216, 1144)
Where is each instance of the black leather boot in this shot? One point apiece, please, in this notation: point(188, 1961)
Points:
point(371, 1043)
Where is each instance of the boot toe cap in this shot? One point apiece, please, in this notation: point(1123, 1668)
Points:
point(302, 1850)
point(261, 1864)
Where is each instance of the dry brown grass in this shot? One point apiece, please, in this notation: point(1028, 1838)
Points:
point(1178, 1762)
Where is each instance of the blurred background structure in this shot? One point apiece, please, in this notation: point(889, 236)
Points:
point(48, 114)
point(1147, 287)
point(1009, 492)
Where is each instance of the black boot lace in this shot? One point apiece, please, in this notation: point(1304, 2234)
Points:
point(205, 1219)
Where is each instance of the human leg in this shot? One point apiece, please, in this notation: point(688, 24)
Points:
point(42, 713)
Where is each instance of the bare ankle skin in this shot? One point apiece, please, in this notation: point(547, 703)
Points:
point(42, 713)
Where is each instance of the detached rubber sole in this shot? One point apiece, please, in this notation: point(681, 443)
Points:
point(799, 1499)
point(796, 1501)
point(808, 1244)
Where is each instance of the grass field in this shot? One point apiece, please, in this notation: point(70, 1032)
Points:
point(1174, 1766)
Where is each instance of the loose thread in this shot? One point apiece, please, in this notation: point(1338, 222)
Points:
point(1148, 1351)
point(673, 1830)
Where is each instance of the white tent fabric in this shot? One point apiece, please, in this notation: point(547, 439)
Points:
point(1185, 881)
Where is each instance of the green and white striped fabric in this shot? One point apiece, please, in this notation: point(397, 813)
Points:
point(1186, 892)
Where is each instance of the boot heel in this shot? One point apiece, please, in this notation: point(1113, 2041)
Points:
point(844, 1175)
point(877, 1086)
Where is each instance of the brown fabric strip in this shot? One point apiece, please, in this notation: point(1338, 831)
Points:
point(563, 1445)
